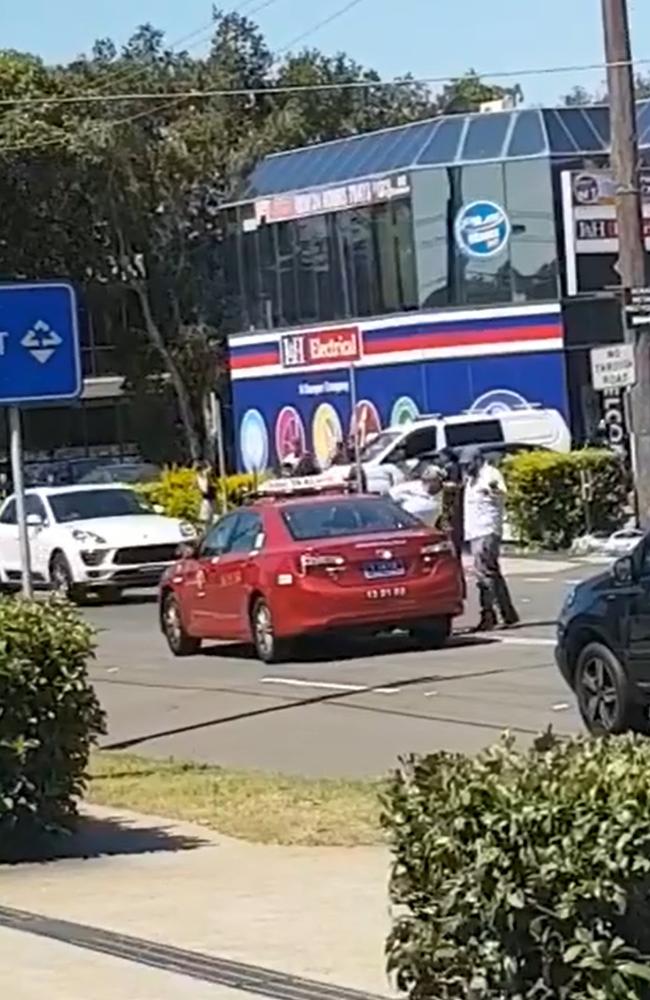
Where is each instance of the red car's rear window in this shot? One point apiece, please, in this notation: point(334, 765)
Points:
point(340, 517)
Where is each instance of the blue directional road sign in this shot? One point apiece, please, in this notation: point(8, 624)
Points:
point(39, 344)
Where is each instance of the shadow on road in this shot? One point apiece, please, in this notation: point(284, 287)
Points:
point(325, 650)
point(97, 838)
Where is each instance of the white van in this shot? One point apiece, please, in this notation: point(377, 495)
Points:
point(386, 456)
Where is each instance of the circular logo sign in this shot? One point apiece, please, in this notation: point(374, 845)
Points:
point(365, 421)
point(290, 437)
point(254, 441)
point(586, 189)
point(404, 411)
point(326, 432)
point(499, 401)
point(482, 229)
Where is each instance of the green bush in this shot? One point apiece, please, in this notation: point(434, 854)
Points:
point(49, 717)
point(177, 493)
point(546, 506)
point(523, 875)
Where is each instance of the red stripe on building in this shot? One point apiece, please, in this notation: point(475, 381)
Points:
point(467, 338)
point(254, 360)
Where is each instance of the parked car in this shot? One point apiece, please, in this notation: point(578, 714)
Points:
point(302, 564)
point(122, 472)
point(603, 645)
point(82, 538)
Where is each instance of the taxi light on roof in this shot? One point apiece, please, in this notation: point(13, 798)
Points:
point(301, 485)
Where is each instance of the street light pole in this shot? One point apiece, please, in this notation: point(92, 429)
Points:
point(629, 214)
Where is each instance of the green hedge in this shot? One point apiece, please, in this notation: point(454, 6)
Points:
point(523, 875)
point(49, 717)
point(545, 502)
point(177, 493)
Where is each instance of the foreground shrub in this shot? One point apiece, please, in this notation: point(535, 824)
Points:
point(49, 717)
point(523, 875)
point(177, 493)
point(547, 503)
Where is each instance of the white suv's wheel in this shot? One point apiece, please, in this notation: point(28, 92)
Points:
point(62, 581)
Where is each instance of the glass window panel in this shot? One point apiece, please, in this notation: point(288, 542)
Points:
point(363, 156)
point(405, 253)
point(475, 281)
point(560, 141)
point(287, 274)
point(307, 253)
point(403, 152)
point(443, 144)
point(599, 120)
point(361, 255)
point(578, 125)
point(643, 115)
point(390, 151)
point(527, 137)
point(385, 259)
point(529, 200)
point(269, 295)
point(326, 167)
point(485, 137)
point(433, 213)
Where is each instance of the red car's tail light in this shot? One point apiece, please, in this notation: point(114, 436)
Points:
point(431, 550)
point(329, 563)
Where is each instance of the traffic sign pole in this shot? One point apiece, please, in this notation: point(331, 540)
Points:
point(16, 451)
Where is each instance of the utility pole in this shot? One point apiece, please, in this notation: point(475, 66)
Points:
point(629, 213)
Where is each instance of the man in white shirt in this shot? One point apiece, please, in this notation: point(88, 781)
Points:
point(484, 502)
point(422, 495)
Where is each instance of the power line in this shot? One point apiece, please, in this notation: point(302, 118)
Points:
point(403, 82)
point(320, 24)
point(88, 98)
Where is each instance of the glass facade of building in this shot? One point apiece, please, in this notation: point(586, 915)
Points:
point(292, 260)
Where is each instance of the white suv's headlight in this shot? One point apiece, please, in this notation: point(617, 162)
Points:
point(187, 529)
point(87, 538)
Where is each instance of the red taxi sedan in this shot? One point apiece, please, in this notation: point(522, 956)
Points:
point(286, 567)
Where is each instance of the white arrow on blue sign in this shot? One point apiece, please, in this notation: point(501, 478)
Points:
point(39, 344)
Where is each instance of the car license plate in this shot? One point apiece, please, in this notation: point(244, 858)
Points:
point(383, 568)
point(382, 593)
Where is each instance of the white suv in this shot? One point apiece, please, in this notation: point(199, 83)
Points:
point(103, 538)
point(396, 449)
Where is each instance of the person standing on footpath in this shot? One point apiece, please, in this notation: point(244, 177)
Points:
point(484, 502)
point(208, 493)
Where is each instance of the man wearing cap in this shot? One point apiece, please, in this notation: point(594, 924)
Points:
point(484, 502)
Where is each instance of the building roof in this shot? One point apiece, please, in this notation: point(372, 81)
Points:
point(446, 141)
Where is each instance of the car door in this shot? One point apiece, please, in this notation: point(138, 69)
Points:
point(199, 581)
point(637, 599)
point(38, 537)
point(228, 577)
point(9, 543)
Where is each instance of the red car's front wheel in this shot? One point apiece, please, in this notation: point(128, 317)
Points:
point(178, 640)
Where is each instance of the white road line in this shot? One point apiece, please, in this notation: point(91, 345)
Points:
point(538, 579)
point(524, 641)
point(329, 686)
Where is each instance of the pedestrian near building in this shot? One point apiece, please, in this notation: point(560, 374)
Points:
point(484, 502)
point(205, 484)
point(422, 495)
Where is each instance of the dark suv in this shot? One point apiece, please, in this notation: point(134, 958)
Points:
point(603, 647)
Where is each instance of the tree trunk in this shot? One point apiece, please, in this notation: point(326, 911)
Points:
point(182, 395)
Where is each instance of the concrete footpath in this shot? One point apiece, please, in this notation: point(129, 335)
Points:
point(203, 915)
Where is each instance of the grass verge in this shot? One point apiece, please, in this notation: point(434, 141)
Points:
point(266, 808)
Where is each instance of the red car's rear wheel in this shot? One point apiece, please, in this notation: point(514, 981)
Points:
point(268, 647)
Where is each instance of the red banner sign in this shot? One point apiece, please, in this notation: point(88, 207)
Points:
point(280, 208)
point(321, 347)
